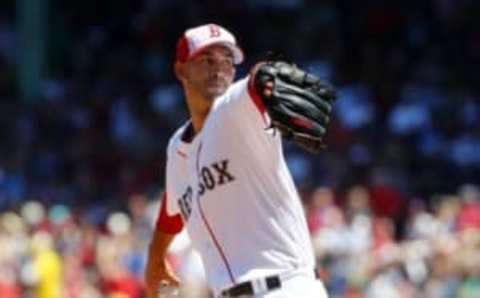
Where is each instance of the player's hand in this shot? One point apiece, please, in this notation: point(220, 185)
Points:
point(159, 275)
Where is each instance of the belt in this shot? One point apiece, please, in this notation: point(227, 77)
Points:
point(254, 286)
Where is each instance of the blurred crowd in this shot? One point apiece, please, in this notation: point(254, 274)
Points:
point(60, 252)
point(406, 128)
point(358, 254)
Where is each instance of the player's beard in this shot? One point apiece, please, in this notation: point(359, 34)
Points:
point(215, 86)
point(210, 87)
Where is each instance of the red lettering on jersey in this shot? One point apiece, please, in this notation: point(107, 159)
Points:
point(166, 223)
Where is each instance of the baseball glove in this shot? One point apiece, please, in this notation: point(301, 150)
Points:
point(298, 103)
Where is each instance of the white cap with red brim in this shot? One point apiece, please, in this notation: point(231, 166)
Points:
point(194, 40)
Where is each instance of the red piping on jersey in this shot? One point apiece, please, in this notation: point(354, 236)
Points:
point(215, 242)
point(209, 228)
point(198, 157)
point(257, 100)
point(166, 223)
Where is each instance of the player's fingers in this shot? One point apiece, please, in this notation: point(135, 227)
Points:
point(268, 90)
point(168, 292)
point(163, 287)
point(170, 281)
point(169, 278)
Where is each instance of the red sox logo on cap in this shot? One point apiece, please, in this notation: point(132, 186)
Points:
point(196, 39)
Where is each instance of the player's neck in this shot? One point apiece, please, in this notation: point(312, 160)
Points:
point(199, 108)
point(197, 121)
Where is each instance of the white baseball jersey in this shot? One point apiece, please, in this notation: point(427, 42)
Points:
point(235, 195)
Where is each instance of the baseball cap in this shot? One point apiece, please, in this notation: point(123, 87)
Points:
point(196, 39)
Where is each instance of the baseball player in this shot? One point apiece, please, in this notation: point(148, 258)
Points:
point(226, 177)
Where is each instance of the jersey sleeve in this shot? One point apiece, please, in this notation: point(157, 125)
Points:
point(169, 219)
point(242, 102)
point(166, 222)
point(255, 98)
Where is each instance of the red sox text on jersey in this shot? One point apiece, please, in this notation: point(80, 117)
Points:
point(209, 178)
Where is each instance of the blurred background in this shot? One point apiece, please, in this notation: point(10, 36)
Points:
point(88, 101)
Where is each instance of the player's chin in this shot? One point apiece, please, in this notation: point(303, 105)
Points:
point(216, 91)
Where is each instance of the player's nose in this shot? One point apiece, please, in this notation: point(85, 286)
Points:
point(218, 73)
point(217, 67)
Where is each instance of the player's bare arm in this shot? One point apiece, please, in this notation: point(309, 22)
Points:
point(158, 271)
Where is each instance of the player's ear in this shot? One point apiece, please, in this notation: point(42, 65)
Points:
point(179, 70)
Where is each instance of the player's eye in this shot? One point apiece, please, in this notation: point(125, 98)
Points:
point(228, 62)
point(211, 61)
point(223, 62)
point(207, 60)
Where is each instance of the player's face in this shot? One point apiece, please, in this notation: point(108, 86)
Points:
point(211, 72)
